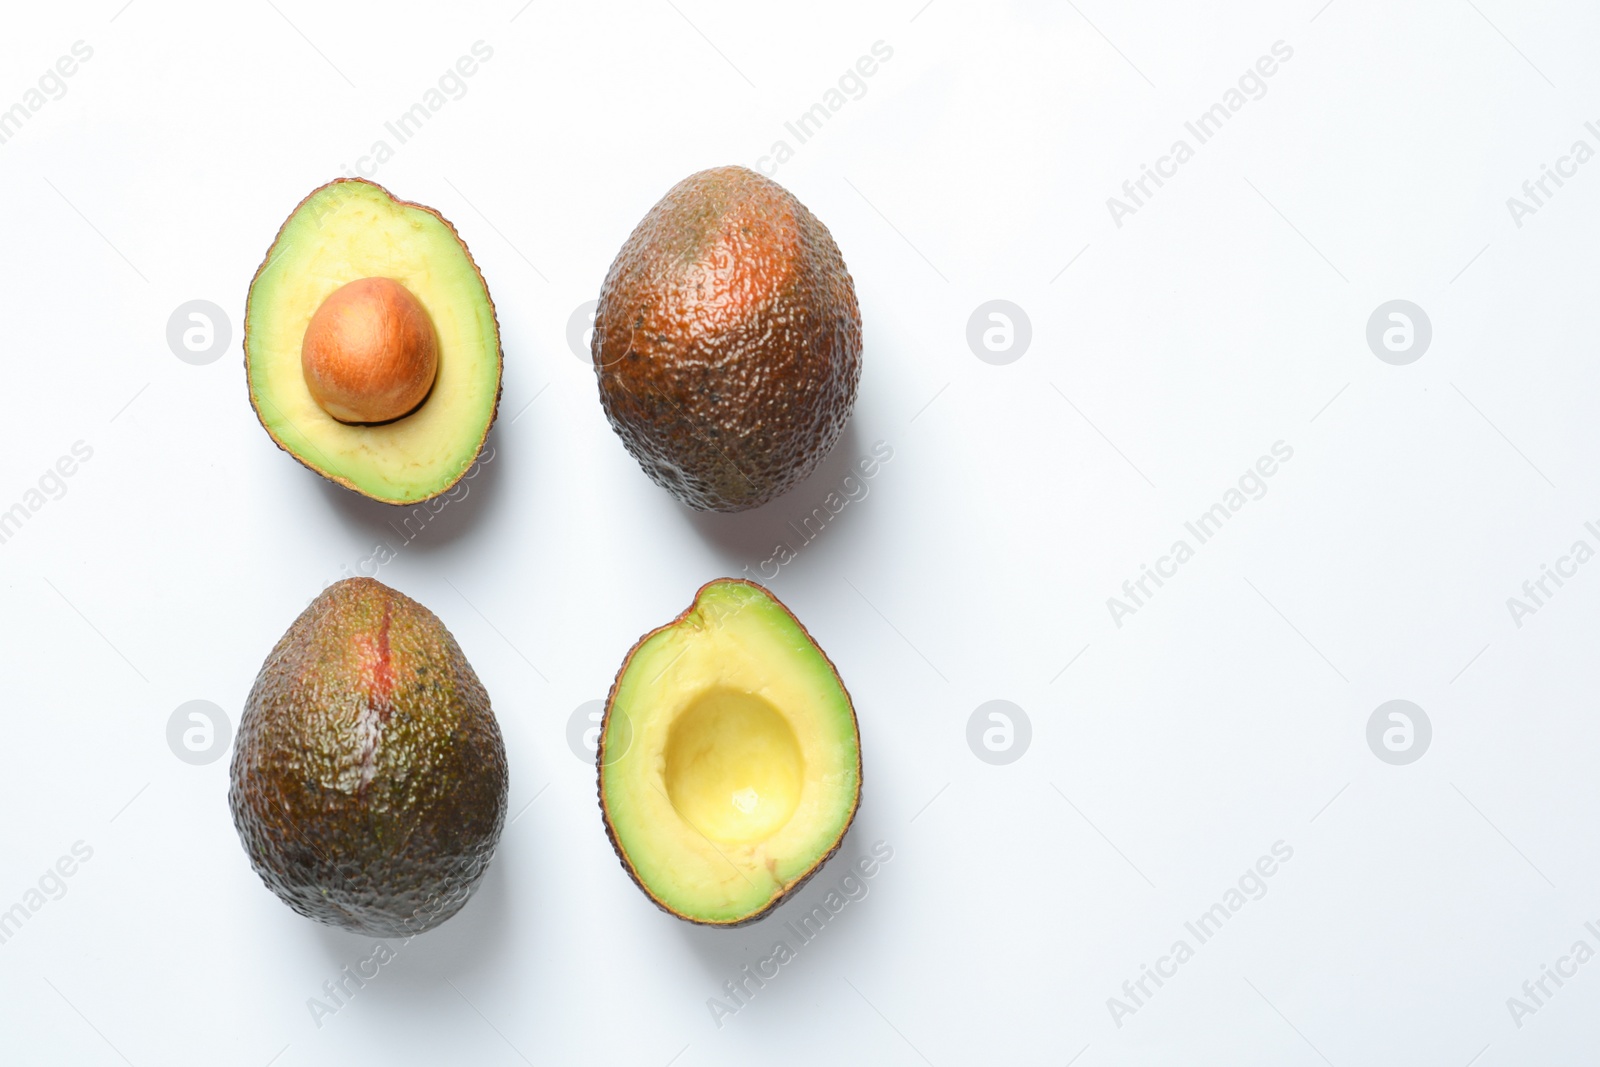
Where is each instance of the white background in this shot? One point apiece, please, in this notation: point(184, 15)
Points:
point(1228, 714)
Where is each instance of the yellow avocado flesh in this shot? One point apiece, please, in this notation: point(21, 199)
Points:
point(730, 758)
point(343, 232)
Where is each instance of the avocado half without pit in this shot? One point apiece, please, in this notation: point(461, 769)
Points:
point(371, 344)
point(729, 758)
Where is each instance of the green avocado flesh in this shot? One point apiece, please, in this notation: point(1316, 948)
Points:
point(730, 761)
point(343, 232)
point(369, 780)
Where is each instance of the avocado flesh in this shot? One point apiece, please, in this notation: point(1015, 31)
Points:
point(737, 769)
point(368, 782)
point(345, 231)
point(727, 341)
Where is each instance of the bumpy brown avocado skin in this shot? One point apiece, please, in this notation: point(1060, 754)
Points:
point(369, 777)
point(727, 341)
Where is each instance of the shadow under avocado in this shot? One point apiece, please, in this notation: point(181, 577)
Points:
point(470, 939)
point(722, 952)
point(426, 526)
point(745, 538)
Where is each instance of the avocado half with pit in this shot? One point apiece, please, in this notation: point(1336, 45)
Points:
point(371, 344)
point(729, 758)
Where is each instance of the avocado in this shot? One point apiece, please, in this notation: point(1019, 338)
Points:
point(727, 341)
point(369, 778)
point(371, 344)
point(729, 758)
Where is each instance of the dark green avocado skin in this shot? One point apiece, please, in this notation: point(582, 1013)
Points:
point(727, 341)
point(369, 777)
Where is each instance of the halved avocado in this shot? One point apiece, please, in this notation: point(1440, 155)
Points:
point(348, 231)
point(729, 756)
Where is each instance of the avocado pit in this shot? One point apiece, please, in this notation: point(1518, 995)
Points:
point(370, 353)
point(734, 770)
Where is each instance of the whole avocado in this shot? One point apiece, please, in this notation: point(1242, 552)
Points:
point(727, 341)
point(369, 777)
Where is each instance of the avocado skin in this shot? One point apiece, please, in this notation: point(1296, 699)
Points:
point(727, 341)
point(369, 777)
